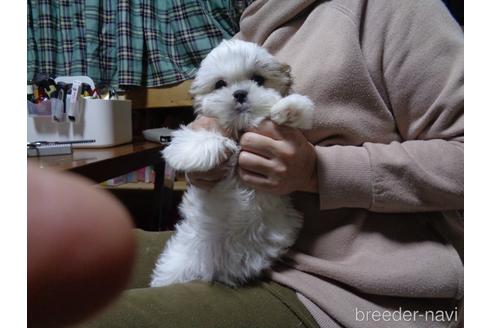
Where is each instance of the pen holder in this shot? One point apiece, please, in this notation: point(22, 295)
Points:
point(109, 122)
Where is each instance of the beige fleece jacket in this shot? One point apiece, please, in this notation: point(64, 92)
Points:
point(383, 233)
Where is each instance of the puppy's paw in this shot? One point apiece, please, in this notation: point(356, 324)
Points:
point(158, 282)
point(294, 110)
point(198, 150)
point(166, 279)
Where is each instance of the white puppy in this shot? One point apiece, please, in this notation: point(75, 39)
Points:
point(231, 233)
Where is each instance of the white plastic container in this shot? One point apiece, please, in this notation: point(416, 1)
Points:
point(109, 122)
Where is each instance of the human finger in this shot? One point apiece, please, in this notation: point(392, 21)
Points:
point(80, 248)
point(207, 180)
point(272, 130)
point(209, 124)
point(254, 163)
point(258, 144)
point(212, 175)
point(254, 180)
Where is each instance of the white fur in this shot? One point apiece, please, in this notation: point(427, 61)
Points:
point(231, 233)
point(294, 110)
point(260, 103)
point(198, 151)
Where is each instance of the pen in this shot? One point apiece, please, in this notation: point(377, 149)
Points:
point(41, 143)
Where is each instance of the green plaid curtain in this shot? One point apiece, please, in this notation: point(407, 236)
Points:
point(127, 42)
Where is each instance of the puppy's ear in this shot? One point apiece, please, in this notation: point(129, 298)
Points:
point(286, 71)
point(285, 68)
point(195, 88)
point(280, 73)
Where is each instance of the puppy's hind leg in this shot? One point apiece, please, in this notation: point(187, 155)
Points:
point(179, 262)
point(294, 110)
point(198, 150)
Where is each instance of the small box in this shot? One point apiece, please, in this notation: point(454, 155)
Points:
point(109, 122)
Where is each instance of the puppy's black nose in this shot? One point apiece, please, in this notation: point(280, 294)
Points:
point(240, 95)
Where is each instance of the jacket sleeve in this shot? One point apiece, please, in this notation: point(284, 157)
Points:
point(423, 73)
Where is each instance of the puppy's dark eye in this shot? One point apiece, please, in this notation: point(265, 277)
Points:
point(258, 79)
point(220, 84)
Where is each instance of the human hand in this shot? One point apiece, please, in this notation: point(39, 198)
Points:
point(209, 124)
point(207, 180)
point(277, 159)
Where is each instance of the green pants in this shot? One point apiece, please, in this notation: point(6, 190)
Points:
point(198, 304)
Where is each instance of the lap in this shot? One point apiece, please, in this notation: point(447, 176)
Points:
point(198, 304)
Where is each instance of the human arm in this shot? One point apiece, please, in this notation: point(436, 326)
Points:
point(421, 64)
point(416, 50)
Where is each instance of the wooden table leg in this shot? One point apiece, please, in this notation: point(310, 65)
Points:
point(158, 201)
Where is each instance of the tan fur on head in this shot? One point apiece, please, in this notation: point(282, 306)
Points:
point(281, 73)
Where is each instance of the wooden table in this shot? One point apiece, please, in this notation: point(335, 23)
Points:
point(101, 164)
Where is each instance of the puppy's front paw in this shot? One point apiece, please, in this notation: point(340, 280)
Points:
point(197, 150)
point(294, 110)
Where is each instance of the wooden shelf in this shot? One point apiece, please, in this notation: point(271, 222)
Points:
point(133, 186)
point(178, 186)
point(172, 97)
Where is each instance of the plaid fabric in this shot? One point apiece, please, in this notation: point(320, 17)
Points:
point(127, 42)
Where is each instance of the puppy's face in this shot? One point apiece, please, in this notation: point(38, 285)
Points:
point(237, 83)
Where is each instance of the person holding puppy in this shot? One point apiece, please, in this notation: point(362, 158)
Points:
point(381, 186)
point(379, 177)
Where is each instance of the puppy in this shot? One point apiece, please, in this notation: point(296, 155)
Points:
point(231, 233)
